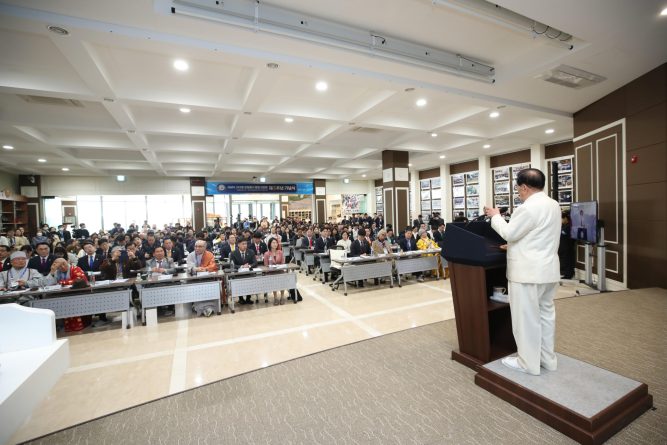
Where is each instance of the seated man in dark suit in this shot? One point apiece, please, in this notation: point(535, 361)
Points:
point(258, 245)
point(228, 247)
point(91, 261)
point(409, 244)
point(439, 234)
point(359, 247)
point(170, 251)
point(417, 222)
point(43, 260)
point(243, 257)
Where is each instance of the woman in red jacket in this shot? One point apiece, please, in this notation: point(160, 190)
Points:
point(274, 256)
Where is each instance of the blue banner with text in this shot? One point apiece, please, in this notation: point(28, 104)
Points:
point(233, 188)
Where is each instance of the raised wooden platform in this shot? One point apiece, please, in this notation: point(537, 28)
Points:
point(587, 403)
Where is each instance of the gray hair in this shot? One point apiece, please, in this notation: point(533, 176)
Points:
point(200, 242)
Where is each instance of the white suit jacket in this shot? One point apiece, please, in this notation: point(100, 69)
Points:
point(532, 236)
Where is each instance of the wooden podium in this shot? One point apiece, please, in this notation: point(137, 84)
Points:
point(477, 264)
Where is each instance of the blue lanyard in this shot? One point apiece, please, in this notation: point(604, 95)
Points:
point(11, 275)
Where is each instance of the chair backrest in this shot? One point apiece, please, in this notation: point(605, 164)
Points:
point(336, 256)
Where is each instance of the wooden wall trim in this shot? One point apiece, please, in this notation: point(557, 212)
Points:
point(464, 167)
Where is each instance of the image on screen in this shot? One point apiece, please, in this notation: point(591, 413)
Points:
point(584, 216)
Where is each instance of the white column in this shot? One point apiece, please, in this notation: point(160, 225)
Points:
point(538, 157)
point(415, 204)
point(485, 183)
point(370, 200)
point(446, 192)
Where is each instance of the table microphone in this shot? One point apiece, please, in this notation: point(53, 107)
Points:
point(483, 217)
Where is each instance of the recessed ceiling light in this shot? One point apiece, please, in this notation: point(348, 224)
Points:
point(363, 176)
point(289, 120)
point(321, 86)
point(65, 169)
point(272, 66)
point(549, 130)
point(262, 179)
point(346, 180)
point(120, 178)
point(41, 160)
point(58, 30)
point(409, 165)
point(494, 114)
point(8, 147)
point(181, 65)
point(487, 145)
point(442, 156)
point(663, 12)
point(184, 110)
point(421, 102)
point(434, 135)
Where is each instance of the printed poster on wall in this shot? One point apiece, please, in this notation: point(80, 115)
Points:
point(350, 204)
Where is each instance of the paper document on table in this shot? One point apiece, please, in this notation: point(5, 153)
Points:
point(102, 283)
point(164, 277)
point(203, 273)
point(244, 269)
point(119, 280)
point(52, 287)
point(281, 266)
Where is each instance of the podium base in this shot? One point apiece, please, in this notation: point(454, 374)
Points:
point(587, 403)
point(467, 360)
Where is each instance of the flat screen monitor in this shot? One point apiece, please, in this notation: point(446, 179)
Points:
point(584, 217)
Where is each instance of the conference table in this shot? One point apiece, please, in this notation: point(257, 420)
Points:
point(385, 265)
point(260, 280)
point(100, 298)
point(160, 290)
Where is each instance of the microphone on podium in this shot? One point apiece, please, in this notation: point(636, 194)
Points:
point(483, 217)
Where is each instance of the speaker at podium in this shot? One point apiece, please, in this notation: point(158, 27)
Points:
point(477, 264)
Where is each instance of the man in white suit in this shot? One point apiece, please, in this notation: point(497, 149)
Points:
point(533, 272)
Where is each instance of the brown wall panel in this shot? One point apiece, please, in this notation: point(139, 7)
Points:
point(584, 172)
point(608, 193)
point(516, 157)
point(199, 214)
point(464, 167)
point(388, 206)
point(428, 174)
point(402, 210)
point(647, 127)
point(321, 211)
point(651, 165)
point(647, 202)
point(606, 110)
point(647, 90)
point(378, 182)
point(559, 150)
point(646, 255)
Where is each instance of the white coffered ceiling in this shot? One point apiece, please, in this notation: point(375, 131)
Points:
point(117, 64)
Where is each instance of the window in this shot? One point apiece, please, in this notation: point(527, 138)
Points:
point(89, 212)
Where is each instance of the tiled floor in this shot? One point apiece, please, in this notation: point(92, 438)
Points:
point(115, 369)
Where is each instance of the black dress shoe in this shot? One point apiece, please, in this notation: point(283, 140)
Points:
point(241, 300)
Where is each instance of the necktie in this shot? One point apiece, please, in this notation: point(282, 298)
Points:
point(310, 242)
point(43, 261)
point(90, 261)
point(243, 256)
point(159, 264)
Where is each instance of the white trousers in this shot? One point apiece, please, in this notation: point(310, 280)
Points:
point(534, 324)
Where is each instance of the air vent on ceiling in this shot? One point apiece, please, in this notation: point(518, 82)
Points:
point(366, 130)
point(571, 77)
point(45, 100)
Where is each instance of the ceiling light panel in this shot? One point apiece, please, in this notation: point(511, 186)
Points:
point(140, 75)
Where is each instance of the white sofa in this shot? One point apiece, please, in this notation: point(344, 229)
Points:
point(32, 360)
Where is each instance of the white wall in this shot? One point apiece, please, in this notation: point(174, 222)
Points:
point(107, 185)
point(338, 187)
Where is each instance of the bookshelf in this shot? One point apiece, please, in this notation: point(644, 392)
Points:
point(14, 213)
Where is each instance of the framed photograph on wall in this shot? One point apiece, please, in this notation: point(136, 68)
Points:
point(501, 174)
point(472, 213)
point(500, 188)
point(565, 165)
point(436, 193)
point(471, 190)
point(435, 183)
point(472, 202)
point(565, 197)
point(426, 207)
point(425, 184)
point(458, 180)
point(458, 192)
point(472, 178)
point(517, 168)
point(565, 181)
point(425, 195)
point(501, 201)
point(459, 203)
point(517, 201)
point(436, 205)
